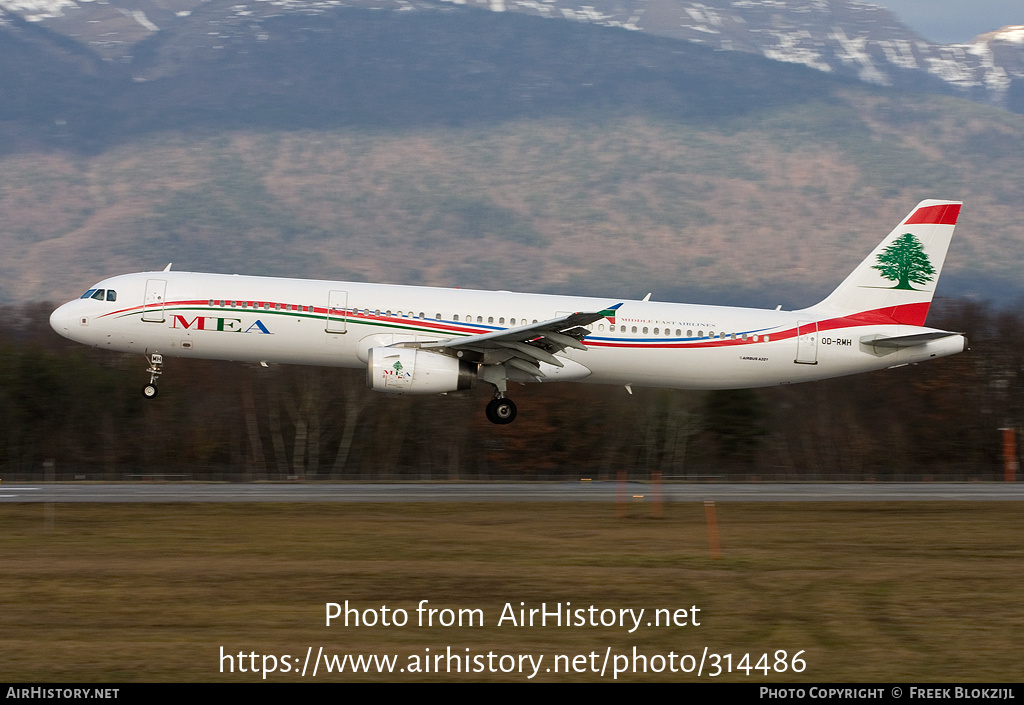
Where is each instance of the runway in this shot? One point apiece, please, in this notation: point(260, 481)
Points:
point(192, 493)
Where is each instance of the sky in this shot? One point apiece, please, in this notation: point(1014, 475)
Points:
point(949, 21)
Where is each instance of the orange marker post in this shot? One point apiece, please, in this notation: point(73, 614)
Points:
point(620, 494)
point(709, 514)
point(1010, 462)
point(656, 494)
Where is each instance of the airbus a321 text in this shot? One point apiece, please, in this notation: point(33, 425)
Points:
point(419, 340)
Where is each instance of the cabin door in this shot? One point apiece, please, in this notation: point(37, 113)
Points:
point(337, 315)
point(807, 343)
point(153, 304)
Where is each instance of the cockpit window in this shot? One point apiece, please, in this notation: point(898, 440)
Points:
point(100, 294)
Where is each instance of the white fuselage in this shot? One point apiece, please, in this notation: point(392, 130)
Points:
point(298, 321)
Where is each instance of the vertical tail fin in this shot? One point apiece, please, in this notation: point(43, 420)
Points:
point(896, 282)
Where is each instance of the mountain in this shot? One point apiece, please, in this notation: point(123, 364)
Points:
point(841, 37)
point(460, 147)
point(222, 68)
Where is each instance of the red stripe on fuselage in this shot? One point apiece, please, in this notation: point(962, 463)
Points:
point(906, 314)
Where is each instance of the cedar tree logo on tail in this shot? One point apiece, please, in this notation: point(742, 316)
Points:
point(905, 261)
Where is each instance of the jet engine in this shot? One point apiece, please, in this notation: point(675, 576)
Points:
point(415, 371)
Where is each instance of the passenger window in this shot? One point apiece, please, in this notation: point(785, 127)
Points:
point(437, 316)
point(111, 295)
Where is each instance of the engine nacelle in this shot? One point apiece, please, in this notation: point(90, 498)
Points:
point(415, 371)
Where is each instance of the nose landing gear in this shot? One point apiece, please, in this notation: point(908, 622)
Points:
point(155, 369)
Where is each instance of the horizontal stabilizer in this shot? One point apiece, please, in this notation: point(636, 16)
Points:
point(906, 341)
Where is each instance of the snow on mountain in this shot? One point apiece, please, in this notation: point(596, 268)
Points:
point(844, 37)
point(38, 10)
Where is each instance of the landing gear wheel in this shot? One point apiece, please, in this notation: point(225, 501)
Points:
point(501, 411)
point(155, 369)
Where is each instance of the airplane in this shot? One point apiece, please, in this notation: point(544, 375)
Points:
point(425, 340)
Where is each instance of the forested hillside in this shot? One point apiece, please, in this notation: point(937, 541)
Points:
point(479, 150)
point(82, 409)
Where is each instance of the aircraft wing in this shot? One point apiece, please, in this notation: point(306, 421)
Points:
point(524, 347)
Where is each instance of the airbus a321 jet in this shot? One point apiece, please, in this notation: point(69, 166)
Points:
point(421, 340)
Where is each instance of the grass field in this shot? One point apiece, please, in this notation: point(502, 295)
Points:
point(868, 592)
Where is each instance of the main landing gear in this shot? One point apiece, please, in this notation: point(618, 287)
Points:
point(155, 369)
point(501, 410)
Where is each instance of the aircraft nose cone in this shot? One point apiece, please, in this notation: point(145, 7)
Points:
point(59, 320)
